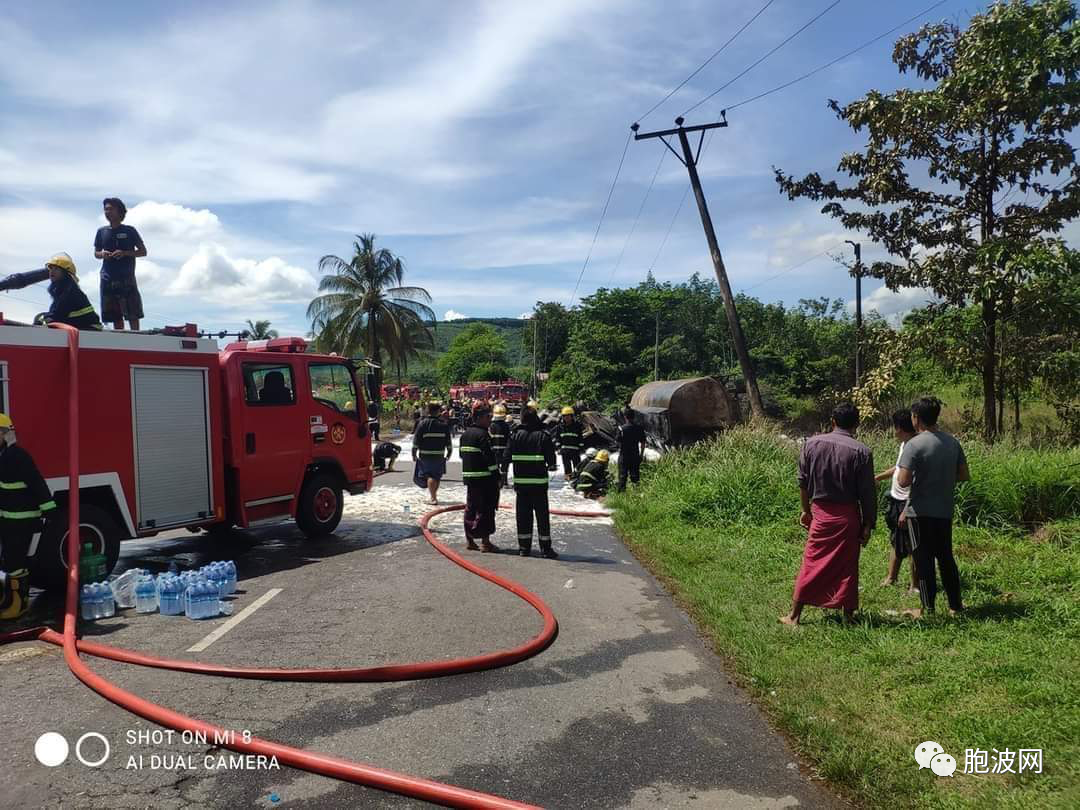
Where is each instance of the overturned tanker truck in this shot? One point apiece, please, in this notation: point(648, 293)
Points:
point(676, 413)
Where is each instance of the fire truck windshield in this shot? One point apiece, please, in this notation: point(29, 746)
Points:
point(332, 384)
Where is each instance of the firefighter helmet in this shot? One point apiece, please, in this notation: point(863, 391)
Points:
point(500, 410)
point(567, 411)
point(532, 405)
point(590, 453)
point(63, 261)
point(5, 422)
point(603, 456)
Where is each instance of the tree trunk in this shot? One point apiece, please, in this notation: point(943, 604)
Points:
point(1016, 410)
point(989, 369)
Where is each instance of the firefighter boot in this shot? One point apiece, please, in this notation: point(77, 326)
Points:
point(546, 550)
point(524, 546)
point(16, 600)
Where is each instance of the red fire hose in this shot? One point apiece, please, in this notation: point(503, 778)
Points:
point(322, 764)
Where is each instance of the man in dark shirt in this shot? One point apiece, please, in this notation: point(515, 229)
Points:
point(631, 439)
point(839, 507)
point(118, 246)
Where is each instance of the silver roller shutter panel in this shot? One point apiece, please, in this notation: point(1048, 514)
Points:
point(171, 445)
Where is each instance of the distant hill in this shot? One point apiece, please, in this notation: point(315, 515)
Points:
point(511, 330)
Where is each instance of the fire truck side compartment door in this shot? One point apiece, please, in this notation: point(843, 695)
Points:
point(172, 445)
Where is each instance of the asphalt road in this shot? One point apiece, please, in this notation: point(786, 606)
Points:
point(627, 708)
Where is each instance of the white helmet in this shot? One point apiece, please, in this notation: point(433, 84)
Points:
point(590, 453)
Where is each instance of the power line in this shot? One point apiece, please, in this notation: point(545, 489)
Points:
point(784, 272)
point(838, 59)
point(638, 217)
point(701, 67)
point(671, 225)
point(603, 213)
point(761, 59)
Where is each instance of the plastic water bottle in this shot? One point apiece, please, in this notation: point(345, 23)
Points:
point(107, 602)
point(230, 577)
point(97, 603)
point(189, 601)
point(146, 595)
point(86, 602)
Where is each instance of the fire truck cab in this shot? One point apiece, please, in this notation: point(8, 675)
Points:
point(175, 434)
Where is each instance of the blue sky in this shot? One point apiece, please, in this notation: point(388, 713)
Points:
point(478, 141)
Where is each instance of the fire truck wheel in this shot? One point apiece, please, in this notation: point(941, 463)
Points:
point(320, 507)
point(48, 568)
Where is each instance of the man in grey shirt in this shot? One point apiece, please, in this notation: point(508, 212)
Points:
point(931, 465)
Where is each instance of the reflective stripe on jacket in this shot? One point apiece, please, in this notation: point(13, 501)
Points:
point(532, 453)
point(432, 437)
point(24, 495)
point(477, 457)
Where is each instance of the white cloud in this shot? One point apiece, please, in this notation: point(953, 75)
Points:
point(173, 221)
point(893, 306)
point(212, 275)
point(453, 315)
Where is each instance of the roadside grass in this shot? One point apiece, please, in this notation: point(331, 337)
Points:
point(717, 523)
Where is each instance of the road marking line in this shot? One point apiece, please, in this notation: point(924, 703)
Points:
point(235, 620)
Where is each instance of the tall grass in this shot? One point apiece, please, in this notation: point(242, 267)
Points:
point(718, 523)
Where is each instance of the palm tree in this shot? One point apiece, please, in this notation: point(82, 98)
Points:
point(260, 330)
point(364, 306)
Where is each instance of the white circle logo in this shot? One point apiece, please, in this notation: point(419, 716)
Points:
point(78, 749)
point(51, 749)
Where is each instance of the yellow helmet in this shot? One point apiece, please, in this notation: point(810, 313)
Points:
point(602, 456)
point(64, 262)
point(500, 410)
point(567, 411)
point(532, 405)
point(5, 422)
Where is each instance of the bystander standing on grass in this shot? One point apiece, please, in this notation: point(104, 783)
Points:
point(839, 508)
point(897, 502)
point(931, 465)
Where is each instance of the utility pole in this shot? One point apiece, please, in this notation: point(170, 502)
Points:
point(689, 159)
point(858, 311)
point(535, 374)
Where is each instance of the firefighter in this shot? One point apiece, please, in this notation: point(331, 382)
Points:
point(631, 440)
point(569, 442)
point(532, 453)
point(499, 431)
point(431, 450)
point(593, 479)
point(24, 499)
point(480, 472)
point(69, 303)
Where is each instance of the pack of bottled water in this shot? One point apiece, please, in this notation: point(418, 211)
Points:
point(146, 594)
point(202, 599)
point(96, 601)
point(170, 595)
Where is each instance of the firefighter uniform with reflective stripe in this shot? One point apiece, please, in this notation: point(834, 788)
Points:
point(593, 479)
point(71, 306)
point(500, 439)
point(532, 454)
point(480, 472)
point(570, 445)
point(24, 499)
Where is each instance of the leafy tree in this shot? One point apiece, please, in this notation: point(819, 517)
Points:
point(364, 306)
point(934, 182)
point(550, 323)
point(259, 330)
point(478, 346)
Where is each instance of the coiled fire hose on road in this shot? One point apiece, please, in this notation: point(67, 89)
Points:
point(322, 764)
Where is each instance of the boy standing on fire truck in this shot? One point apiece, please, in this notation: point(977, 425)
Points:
point(24, 499)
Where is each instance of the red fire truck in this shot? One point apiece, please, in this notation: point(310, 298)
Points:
point(175, 434)
point(514, 394)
